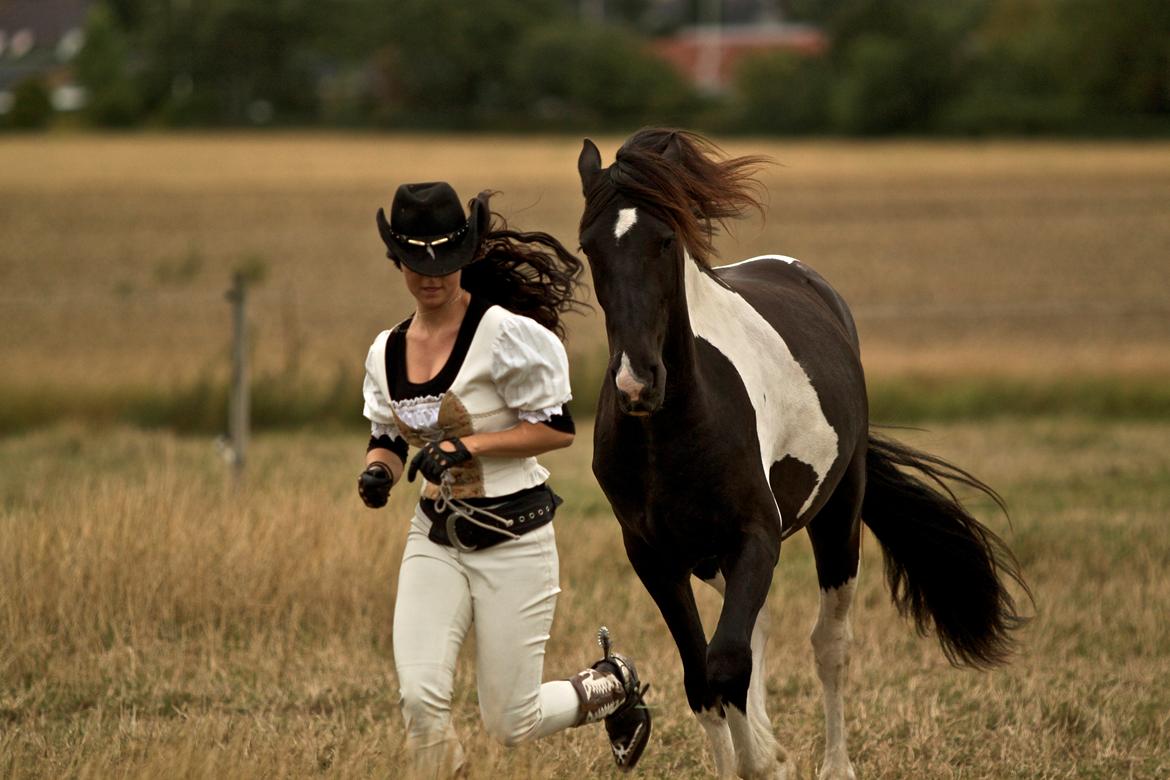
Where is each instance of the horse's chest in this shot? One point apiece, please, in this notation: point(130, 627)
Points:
point(674, 494)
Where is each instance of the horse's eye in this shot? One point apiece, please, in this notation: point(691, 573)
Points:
point(668, 244)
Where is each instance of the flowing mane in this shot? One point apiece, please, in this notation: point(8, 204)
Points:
point(685, 180)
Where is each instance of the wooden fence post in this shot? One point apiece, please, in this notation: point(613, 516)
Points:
point(238, 403)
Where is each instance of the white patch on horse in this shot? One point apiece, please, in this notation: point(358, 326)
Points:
point(719, 736)
point(789, 424)
point(758, 736)
point(831, 638)
point(626, 381)
point(756, 753)
point(782, 258)
point(625, 221)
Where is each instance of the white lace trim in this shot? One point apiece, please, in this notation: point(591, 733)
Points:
point(384, 429)
point(420, 412)
point(541, 415)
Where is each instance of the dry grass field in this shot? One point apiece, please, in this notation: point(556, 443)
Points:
point(117, 250)
point(154, 622)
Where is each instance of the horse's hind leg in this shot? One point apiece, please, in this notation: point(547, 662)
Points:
point(836, 538)
point(757, 714)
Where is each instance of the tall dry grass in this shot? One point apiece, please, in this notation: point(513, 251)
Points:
point(155, 622)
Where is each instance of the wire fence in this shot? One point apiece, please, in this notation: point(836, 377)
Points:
point(864, 310)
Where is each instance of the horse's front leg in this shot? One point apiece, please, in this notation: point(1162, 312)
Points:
point(671, 591)
point(748, 575)
point(757, 693)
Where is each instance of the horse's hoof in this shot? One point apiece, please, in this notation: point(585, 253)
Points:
point(775, 772)
point(840, 769)
point(777, 769)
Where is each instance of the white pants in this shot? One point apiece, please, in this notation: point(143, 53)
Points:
point(509, 593)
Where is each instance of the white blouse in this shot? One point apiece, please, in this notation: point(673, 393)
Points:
point(514, 369)
point(528, 366)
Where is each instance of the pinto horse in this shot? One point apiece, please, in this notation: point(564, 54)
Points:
point(734, 414)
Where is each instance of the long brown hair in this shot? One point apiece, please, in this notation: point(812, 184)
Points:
point(683, 179)
point(529, 273)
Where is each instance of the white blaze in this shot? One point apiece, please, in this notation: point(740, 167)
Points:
point(789, 418)
point(625, 221)
point(625, 379)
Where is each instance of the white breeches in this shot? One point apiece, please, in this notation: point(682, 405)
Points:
point(508, 593)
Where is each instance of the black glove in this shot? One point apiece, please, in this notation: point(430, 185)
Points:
point(432, 461)
point(374, 484)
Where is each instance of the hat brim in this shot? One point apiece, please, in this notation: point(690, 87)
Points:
point(441, 259)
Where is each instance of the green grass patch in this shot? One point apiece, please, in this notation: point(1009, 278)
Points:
point(282, 403)
point(915, 399)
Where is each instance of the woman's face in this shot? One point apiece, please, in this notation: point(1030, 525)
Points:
point(432, 292)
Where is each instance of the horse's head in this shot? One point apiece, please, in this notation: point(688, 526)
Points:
point(656, 200)
point(637, 271)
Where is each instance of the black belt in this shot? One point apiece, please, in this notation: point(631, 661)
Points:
point(495, 519)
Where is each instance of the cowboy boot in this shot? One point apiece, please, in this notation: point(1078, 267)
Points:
point(610, 690)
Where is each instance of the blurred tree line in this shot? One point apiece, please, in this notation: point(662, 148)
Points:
point(892, 66)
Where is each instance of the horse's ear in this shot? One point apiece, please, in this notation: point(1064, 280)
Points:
point(588, 164)
point(674, 149)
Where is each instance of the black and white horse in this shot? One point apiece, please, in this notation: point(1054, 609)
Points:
point(734, 414)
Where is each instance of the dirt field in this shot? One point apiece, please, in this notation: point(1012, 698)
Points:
point(152, 625)
point(1016, 259)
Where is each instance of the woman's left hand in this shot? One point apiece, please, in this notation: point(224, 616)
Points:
point(432, 460)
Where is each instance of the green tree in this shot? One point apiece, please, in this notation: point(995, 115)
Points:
point(1078, 66)
point(1117, 55)
point(569, 75)
point(236, 61)
point(898, 64)
point(1016, 80)
point(32, 107)
point(872, 94)
point(102, 67)
point(450, 57)
point(782, 93)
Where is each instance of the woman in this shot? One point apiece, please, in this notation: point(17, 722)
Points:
point(477, 381)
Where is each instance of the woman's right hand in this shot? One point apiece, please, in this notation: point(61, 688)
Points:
point(374, 484)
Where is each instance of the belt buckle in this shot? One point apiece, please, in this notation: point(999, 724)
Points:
point(452, 536)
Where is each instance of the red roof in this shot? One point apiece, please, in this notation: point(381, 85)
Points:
point(708, 55)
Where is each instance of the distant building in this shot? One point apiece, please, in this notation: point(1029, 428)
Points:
point(707, 55)
point(38, 40)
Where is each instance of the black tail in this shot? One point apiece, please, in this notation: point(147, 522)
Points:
point(942, 566)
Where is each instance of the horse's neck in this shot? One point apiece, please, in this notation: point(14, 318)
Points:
point(680, 356)
point(709, 310)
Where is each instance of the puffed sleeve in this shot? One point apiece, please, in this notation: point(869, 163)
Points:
point(377, 406)
point(530, 369)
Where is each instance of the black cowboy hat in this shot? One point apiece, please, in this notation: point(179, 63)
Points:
point(428, 230)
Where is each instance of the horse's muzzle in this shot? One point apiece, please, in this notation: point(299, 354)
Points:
point(639, 393)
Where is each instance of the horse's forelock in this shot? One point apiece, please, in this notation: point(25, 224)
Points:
point(684, 179)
